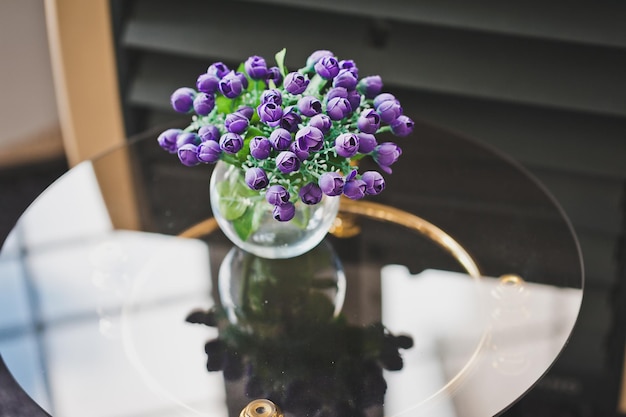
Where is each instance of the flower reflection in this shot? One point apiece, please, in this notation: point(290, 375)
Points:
point(288, 345)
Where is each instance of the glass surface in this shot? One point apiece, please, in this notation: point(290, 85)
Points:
point(476, 263)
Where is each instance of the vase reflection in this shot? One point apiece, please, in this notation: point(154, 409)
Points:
point(257, 292)
point(283, 336)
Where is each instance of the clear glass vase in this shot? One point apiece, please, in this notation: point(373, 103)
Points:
point(246, 218)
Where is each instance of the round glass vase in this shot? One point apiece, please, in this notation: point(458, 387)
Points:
point(246, 218)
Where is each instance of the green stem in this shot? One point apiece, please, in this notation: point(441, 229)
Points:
point(230, 159)
point(315, 85)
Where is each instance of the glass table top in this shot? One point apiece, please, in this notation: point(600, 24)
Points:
point(465, 261)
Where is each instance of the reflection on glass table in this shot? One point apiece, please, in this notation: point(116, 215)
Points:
point(101, 273)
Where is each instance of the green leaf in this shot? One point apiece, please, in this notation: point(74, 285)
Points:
point(223, 104)
point(280, 61)
point(231, 205)
point(242, 155)
point(252, 132)
point(239, 189)
point(243, 225)
point(255, 119)
point(250, 221)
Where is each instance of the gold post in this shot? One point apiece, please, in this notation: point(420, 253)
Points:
point(261, 408)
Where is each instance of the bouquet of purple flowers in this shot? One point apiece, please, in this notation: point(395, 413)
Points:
point(295, 135)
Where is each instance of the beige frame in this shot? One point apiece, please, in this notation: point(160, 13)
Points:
point(83, 63)
point(80, 35)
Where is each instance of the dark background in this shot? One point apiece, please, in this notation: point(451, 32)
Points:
point(542, 82)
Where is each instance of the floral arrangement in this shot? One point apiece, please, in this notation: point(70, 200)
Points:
point(296, 135)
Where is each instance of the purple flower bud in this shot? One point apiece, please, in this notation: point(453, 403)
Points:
point(296, 83)
point(311, 194)
point(349, 65)
point(188, 154)
point(231, 85)
point(269, 113)
point(354, 189)
point(284, 213)
point(338, 108)
point(290, 119)
point(386, 154)
point(182, 99)
point(277, 195)
point(209, 132)
point(370, 86)
point(309, 106)
point(389, 110)
point(187, 137)
point(347, 145)
point(301, 153)
point(331, 183)
point(272, 96)
point(204, 103)
point(402, 126)
point(346, 79)
point(336, 92)
point(209, 152)
point(287, 162)
point(367, 142)
point(207, 83)
point(260, 147)
point(354, 98)
point(316, 56)
point(236, 123)
point(256, 178)
point(246, 111)
point(310, 138)
point(167, 139)
point(231, 143)
point(280, 139)
point(256, 67)
point(369, 121)
point(327, 67)
point(219, 69)
point(273, 74)
point(382, 98)
point(322, 122)
point(374, 182)
point(243, 79)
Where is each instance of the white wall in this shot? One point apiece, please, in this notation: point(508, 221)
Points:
point(28, 111)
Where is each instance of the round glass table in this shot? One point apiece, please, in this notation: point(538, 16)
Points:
point(113, 286)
